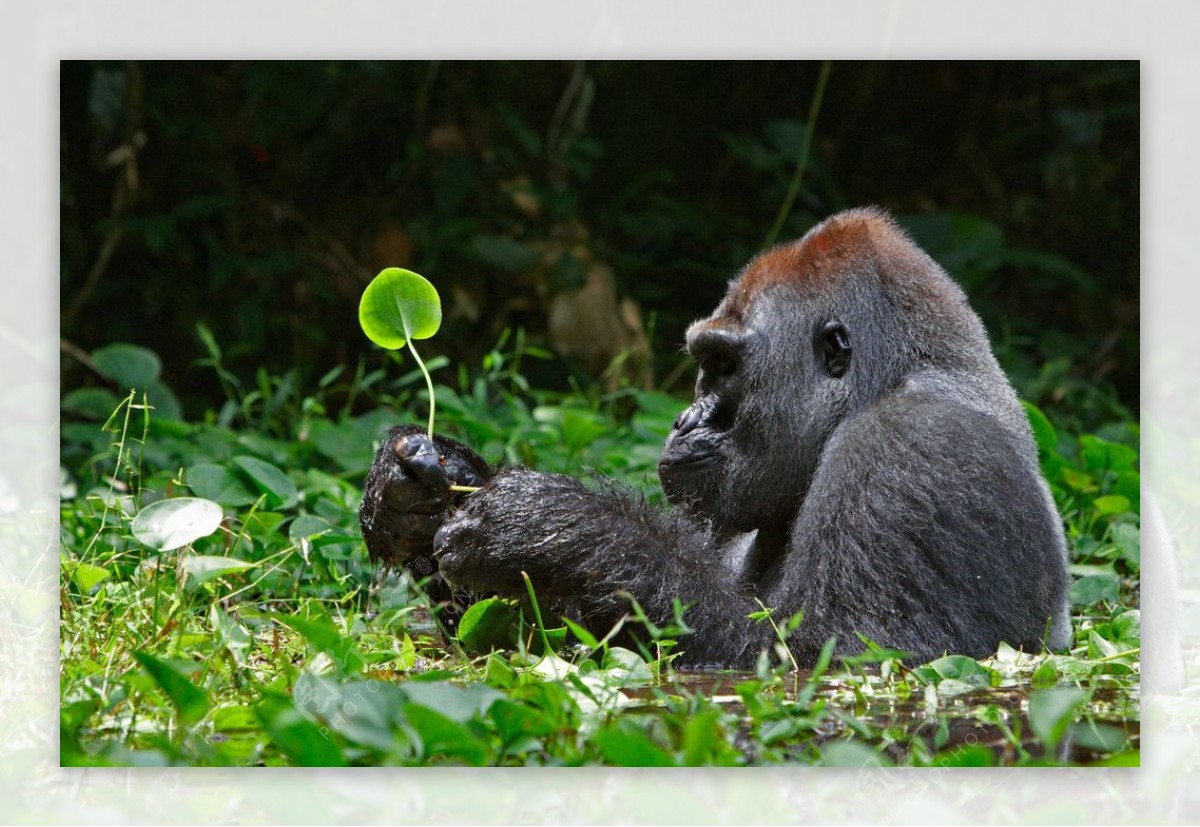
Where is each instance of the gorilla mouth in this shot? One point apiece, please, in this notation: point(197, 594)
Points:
point(691, 461)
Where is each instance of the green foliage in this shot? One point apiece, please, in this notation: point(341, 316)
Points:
point(270, 641)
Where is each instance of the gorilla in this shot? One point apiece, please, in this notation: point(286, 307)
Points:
point(853, 452)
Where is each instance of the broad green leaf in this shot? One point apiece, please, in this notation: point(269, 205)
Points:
point(307, 526)
point(1129, 542)
point(1102, 455)
point(169, 524)
point(202, 568)
point(958, 668)
point(701, 738)
point(486, 625)
point(1051, 711)
point(88, 577)
point(94, 403)
point(966, 756)
point(625, 665)
point(456, 703)
point(188, 699)
point(1094, 588)
point(1127, 628)
point(128, 366)
point(1100, 737)
point(515, 721)
point(851, 754)
point(269, 479)
point(1045, 675)
point(1111, 504)
point(306, 743)
point(626, 746)
point(365, 712)
point(440, 735)
point(399, 305)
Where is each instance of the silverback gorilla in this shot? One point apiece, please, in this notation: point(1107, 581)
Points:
point(853, 451)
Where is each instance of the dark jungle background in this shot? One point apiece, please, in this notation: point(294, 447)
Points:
point(599, 207)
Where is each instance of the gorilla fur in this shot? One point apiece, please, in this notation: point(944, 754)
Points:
point(853, 451)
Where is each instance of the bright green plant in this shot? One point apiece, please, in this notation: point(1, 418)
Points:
point(397, 307)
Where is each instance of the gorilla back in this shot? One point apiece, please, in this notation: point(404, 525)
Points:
point(853, 451)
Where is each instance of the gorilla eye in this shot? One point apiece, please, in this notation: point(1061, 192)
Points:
point(833, 344)
point(717, 364)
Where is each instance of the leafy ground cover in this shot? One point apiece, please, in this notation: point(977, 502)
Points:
point(217, 607)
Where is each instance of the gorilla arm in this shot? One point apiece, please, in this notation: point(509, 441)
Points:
point(925, 528)
point(588, 546)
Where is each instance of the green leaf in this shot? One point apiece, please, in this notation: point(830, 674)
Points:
point(1098, 737)
point(363, 712)
point(516, 721)
point(486, 625)
point(87, 577)
point(269, 479)
point(626, 746)
point(1094, 588)
point(1045, 675)
point(1111, 504)
point(440, 735)
point(188, 699)
point(701, 737)
point(321, 635)
point(851, 754)
point(128, 366)
point(302, 740)
point(456, 703)
point(582, 634)
point(626, 666)
point(959, 668)
point(1102, 455)
point(1127, 628)
point(399, 305)
point(1129, 543)
point(93, 403)
point(220, 484)
point(1051, 711)
point(1044, 434)
point(169, 524)
point(202, 568)
point(307, 526)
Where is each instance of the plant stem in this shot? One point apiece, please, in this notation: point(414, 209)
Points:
point(428, 380)
point(801, 162)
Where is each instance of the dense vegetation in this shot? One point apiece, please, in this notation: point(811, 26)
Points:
point(213, 358)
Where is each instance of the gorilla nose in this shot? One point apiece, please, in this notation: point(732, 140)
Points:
point(687, 421)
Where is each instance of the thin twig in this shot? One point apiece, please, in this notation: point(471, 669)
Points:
point(802, 161)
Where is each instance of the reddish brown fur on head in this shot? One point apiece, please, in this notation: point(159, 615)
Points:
point(842, 244)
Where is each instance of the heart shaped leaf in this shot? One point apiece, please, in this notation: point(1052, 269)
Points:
point(169, 524)
point(398, 306)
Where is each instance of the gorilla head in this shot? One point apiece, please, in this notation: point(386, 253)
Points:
point(808, 334)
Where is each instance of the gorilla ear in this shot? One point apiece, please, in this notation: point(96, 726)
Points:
point(833, 344)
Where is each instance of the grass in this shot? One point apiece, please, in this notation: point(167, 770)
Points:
point(271, 641)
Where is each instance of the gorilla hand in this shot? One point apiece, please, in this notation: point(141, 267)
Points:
point(407, 495)
point(501, 530)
